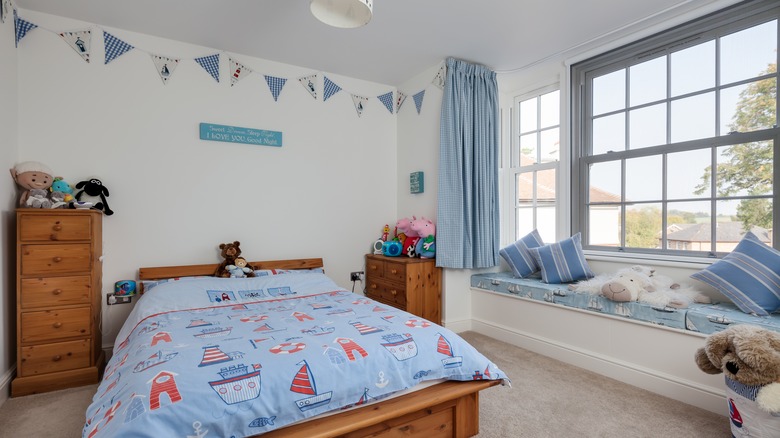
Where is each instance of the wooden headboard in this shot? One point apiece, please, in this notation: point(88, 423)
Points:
point(162, 272)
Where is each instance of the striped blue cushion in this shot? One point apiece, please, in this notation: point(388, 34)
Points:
point(519, 258)
point(749, 276)
point(562, 262)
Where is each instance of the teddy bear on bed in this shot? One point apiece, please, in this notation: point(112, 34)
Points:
point(240, 268)
point(230, 252)
point(641, 283)
point(749, 358)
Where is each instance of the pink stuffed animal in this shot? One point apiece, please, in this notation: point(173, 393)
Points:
point(423, 227)
point(426, 246)
point(405, 226)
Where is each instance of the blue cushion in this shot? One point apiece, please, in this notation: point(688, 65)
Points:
point(749, 276)
point(519, 258)
point(562, 262)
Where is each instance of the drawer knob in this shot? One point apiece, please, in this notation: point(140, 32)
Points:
point(56, 358)
point(394, 292)
point(373, 286)
point(372, 267)
point(57, 325)
point(394, 271)
point(57, 259)
point(56, 291)
point(57, 227)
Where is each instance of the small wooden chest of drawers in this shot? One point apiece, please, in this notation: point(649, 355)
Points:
point(409, 284)
point(58, 299)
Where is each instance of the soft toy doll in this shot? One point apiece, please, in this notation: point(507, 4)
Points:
point(426, 246)
point(407, 236)
point(37, 199)
point(240, 268)
point(31, 175)
point(749, 358)
point(59, 185)
point(93, 190)
point(230, 252)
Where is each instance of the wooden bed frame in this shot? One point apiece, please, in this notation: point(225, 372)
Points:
point(446, 410)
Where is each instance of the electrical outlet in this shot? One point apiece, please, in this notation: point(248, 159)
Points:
point(111, 298)
point(356, 276)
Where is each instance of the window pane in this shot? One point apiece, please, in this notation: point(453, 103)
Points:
point(688, 226)
point(643, 226)
point(643, 179)
point(550, 145)
point(525, 222)
point(693, 117)
point(693, 69)
point(736, 217)
point(684, 174)
point(550, 112)
point(604, 229)
point(647, 81)
point(545, 223)
point(609, 92)
point(745, 169)
point(545, 190)
point(609, 133)
point(748, 107)
point(525, 189)
point(604, 182)
point(746, 54)
point(528, 115)
point(528, 149)
point(647, 127)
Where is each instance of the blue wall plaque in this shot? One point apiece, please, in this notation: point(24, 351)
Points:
point(416, 182)
point(237, 134)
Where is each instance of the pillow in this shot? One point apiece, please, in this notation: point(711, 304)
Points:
point(519, 258)
point(146, 285)
point(265, 272)
point(749, 276)
point(562, 262)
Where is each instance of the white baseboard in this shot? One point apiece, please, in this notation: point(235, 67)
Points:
point(693, 393)
point(461, 325)
point(5, 384)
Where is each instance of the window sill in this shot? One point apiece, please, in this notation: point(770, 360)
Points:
point(650, 259)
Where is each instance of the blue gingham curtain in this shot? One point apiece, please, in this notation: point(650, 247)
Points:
point(467, 233)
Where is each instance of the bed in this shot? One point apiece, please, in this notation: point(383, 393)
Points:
point(288, 353)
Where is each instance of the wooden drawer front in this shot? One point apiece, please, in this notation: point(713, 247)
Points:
point(374, 268)
point(48, 228)
point(395, 272)
point(47, 325)
point(392, 294)
point(48, 358)
point(52, 259)
point(54, 291)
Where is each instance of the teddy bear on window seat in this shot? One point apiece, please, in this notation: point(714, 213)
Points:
point(641, 283)
point(231, 252)
point(749, 358)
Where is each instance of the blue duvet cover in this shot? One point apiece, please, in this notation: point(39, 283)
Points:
point(213, 357)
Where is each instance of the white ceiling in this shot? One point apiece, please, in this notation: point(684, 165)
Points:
point(404, 38)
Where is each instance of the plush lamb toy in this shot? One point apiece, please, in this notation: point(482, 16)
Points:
point(749, 358)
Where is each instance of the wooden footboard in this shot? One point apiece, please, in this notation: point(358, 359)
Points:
point(446, 410)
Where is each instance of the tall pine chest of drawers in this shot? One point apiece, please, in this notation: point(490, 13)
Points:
point(58, 299)
point(409, 284)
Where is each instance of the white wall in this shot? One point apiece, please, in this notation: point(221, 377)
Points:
point(325, 193)
point(8, 157)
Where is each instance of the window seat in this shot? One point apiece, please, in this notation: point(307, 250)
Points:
point(700, 318)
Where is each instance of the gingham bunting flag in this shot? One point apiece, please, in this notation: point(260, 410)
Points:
point(387, 100)
point(210, 64)
point(165, 66)
point(80, 41)
point(330, 89)
point(418, 100)
point(115, 47)
point(237, 71)
point(310, 84)
point(22, 27)
point(275, 85)
point(399, 101)
point(359, 102)
point(438, 80)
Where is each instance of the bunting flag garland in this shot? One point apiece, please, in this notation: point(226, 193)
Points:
point(237, 71)
point(80, 41)
point(165, 66)
point(418, 100)
point(387, 99)
point(438, 80)
point(330, 89)
point(115, 47)
point(275, 85)
point(358, 101)
point(310, 84)
point(210, 64)
point(21, 27)
point(399, 101)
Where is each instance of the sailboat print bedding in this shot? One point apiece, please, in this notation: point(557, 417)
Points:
point(242, 356)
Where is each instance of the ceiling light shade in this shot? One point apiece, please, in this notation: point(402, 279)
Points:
point(343, 13)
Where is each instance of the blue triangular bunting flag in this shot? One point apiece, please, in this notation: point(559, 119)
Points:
point(387, 99)
point(418, 100)
point(22, 27)
point(330, 89)
point(210, 64)
point(275, 85)
point(115, 47)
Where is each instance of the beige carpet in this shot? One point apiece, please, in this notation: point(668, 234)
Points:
point(547, 399)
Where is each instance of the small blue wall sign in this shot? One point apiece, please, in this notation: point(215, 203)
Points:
point(237, 134)
point(416, 182)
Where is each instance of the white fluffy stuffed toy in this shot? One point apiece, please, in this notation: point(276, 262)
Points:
point(640, 283)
